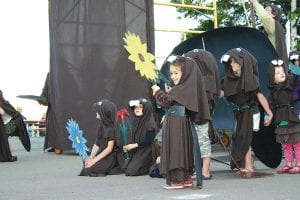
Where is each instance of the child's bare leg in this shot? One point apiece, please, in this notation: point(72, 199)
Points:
point(11, 150)
point(248, 161)
point(206, 166)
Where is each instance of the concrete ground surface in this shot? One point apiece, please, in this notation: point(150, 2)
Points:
point(46, 175)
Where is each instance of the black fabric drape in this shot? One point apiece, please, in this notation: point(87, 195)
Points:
point(88, 61)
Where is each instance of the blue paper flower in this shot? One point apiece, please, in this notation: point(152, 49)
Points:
point(78, 141)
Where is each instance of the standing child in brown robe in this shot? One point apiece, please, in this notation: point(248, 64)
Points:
point(102, 159)
point(144, 130)
point(209, 68)
point(183, 101)
point(241, 89)
point(286, 117)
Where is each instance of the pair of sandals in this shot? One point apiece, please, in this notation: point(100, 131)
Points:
point(289, 169)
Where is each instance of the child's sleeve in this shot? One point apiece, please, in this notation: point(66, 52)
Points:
point(148, 139)
point(164, 99)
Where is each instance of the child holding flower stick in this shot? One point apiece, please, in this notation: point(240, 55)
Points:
point(102, 160)
point(184, 103)
point(141, 147)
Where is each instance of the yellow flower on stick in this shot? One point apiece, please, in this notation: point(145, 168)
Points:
point(139, 55)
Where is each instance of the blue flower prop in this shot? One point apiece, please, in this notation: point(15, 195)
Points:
point(78, 141)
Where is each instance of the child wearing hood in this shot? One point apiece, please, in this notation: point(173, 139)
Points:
point(141, 148)
point(210, 71)
point(286, 117)
point(102, 160)
point(186, 102)
point(241, 88)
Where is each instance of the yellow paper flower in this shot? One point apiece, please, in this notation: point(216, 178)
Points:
point(140, 56)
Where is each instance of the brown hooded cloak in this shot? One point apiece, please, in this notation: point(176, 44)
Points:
point(143, 129)
point(280, 100)
point(241, 92)
point(105, 132)
point(209, 68)
point(190, 92)
point(186, 99)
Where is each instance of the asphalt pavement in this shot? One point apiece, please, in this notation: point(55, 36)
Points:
point(46, 175)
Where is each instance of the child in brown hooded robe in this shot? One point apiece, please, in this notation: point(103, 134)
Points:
point(209, 68)
point(141, 148)
point(103, 160)
point(186, 102)
point(286, 118)
point(241, 88)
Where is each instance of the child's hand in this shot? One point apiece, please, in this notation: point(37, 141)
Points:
point(129, 147)
point(221, 95)
point(89, 163)
point(268, 119)
point(155, 88)
point(158, 160)
point(2, 111)
point(167, 88)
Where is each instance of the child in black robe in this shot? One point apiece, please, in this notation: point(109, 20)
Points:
point(241, 88)
point(141, 148)
point(11, 123)
point(102, 160)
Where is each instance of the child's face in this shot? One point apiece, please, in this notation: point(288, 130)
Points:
point(175, 74)
point(279, 75)
point(236, 68)
point(268, 9)
point(138, 110)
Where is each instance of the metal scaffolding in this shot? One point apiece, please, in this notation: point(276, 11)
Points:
point(183, 5)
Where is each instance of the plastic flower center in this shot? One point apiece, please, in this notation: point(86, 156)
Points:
point(77, 139)
point(141, 57)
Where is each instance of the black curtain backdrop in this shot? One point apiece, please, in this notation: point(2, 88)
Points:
point(88, 61)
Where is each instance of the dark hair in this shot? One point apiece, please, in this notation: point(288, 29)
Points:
point(276, 11)
point(178, 61)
